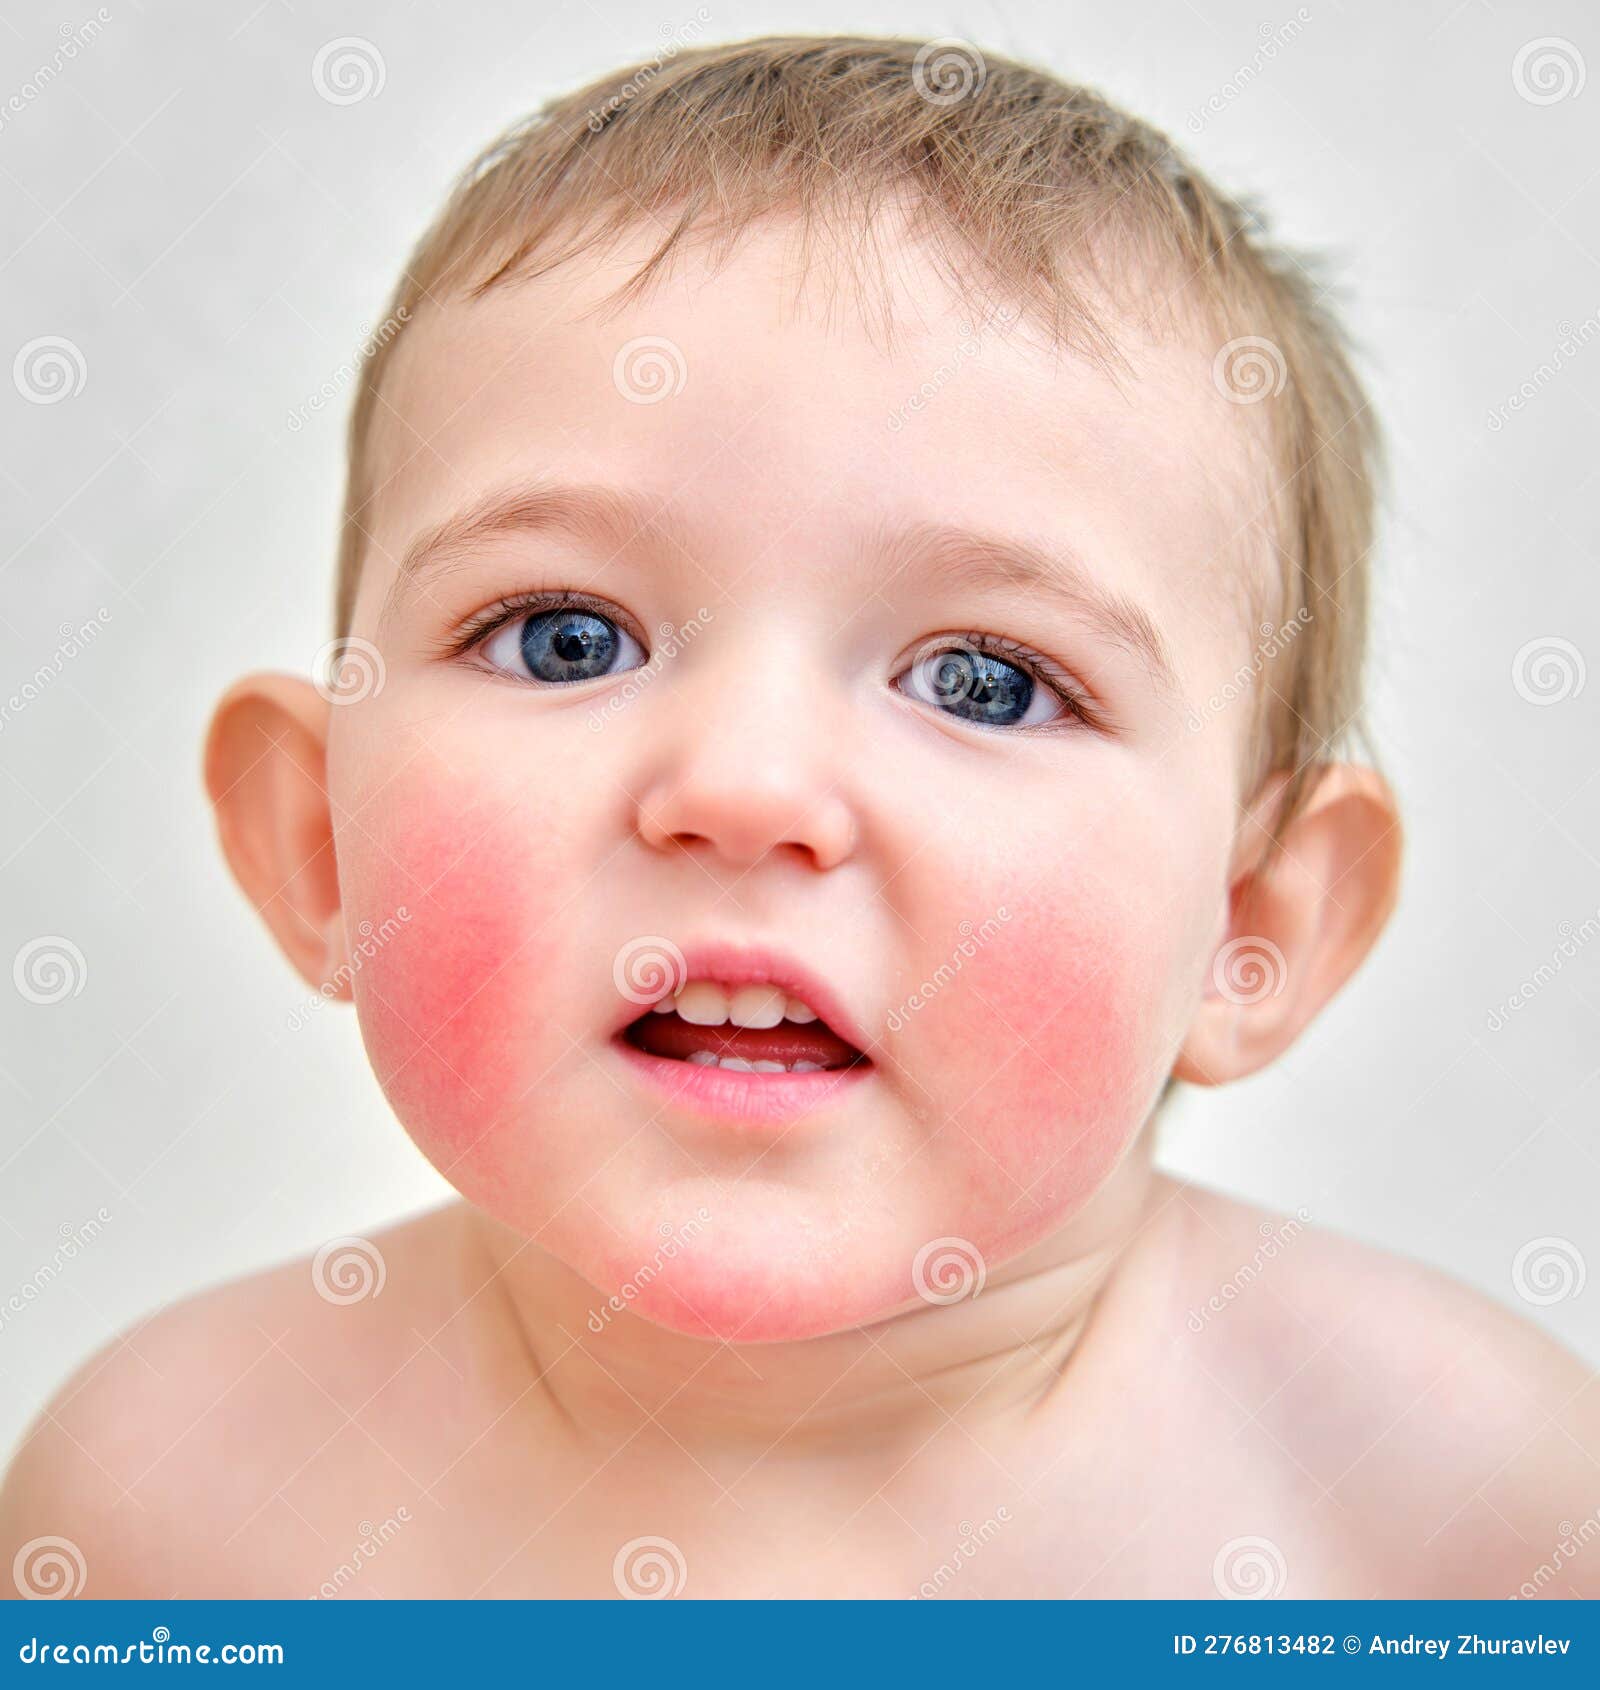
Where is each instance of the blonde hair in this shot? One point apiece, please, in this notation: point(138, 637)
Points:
point(1019, 179)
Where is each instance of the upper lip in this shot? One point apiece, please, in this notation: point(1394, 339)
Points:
point(734, 964)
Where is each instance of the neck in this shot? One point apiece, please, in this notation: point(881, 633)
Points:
point(999, 1356)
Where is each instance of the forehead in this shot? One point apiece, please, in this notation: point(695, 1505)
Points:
point(781, 410)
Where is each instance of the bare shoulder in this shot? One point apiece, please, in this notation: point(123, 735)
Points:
point(1421, 1414)
point(200, 1451)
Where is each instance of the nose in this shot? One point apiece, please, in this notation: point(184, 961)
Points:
point(747, 783)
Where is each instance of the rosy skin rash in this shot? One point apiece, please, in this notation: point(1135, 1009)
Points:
point(511, 833)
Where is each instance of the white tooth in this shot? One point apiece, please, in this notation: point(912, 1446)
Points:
point(807, 1068)
point(756, 1006)
point(768, 1067)
point(799, 1012)
point(703, 1003)
point(701, 1059)
point(736, 1065)
point(665, 1007)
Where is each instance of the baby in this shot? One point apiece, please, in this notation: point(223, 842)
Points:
point(851, 597)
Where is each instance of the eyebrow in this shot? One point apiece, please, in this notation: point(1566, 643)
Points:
point(604, 516)
point(961, 557)
point(946, 555)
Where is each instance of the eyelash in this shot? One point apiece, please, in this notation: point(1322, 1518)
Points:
point(1068, 692)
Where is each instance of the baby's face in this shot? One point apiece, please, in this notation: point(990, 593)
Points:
point(776, 701)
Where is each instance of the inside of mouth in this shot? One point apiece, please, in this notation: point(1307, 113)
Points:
point(790, 1047)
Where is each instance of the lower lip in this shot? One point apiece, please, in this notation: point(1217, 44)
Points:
point(746, 1100)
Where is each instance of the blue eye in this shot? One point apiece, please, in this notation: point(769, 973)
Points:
point(561, 646)
point(965, 681)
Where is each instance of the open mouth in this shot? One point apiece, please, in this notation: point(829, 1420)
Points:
point(749, 1029)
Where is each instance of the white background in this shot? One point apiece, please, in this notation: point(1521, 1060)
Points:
point(181, 204)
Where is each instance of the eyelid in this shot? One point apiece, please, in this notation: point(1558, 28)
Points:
point(481, 624)
point(1075, 697)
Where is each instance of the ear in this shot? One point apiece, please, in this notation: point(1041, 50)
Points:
point(265, 762)
point(1300, 920)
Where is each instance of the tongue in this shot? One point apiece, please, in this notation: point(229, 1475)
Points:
point(672, 1036)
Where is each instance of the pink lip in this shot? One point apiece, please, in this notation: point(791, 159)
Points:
point(750, 965)
point(750, 1099)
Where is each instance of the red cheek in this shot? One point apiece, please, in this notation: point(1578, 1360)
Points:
point(446, 1005)
point(1041, 1045)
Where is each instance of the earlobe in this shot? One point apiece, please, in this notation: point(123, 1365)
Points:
point(1300, 920)
point(265, 772)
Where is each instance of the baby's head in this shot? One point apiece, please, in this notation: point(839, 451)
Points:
point(854, 532)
